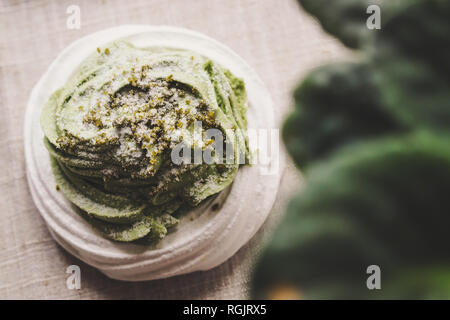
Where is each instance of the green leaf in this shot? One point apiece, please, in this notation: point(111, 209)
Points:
point(334, 106)
point(413, 92)
point(374, 138)
point(420, 30)
point(385, 203)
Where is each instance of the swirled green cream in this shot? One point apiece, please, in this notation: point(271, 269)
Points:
point(112, 129)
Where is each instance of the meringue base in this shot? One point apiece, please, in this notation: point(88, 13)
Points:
point(206, 236)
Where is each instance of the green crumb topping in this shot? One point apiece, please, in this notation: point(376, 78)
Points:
point(112, 128)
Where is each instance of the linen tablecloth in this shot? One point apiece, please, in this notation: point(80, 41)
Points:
point(275, 37)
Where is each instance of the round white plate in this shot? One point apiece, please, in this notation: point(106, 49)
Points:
point(205, 237)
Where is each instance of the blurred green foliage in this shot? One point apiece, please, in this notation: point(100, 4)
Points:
point(372, 138)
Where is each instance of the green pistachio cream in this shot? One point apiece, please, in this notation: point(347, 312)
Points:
point(112, 129)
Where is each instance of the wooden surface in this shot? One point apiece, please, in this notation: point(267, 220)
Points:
point(275, 37)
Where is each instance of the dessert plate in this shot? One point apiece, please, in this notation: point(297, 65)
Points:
point(208, 235)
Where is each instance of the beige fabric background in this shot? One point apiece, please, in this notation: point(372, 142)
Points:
point(276, 38)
